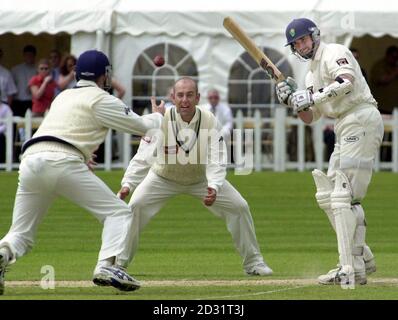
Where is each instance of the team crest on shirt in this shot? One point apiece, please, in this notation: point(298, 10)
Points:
point(127, 110)
point(342, 61)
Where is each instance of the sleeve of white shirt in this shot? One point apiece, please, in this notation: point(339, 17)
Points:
point(10, 84)
point(309, 84)
point(140, 164)
point(112, 113)
point(340, 61)
point(228, 121)
point(217, 158)
point(4, 114)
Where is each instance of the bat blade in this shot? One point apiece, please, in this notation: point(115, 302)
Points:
point(255, 52)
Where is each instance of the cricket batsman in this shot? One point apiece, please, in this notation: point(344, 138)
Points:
point(336, 88)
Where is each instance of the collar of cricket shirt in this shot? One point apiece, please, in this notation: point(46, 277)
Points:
point(319, 51)
point(177, 125)
point(86, 83)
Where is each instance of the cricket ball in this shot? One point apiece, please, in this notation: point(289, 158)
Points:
point(158, 61)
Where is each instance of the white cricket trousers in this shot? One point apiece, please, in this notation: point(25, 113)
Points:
point(153, 192)
point(358, 139)
point(44, 176)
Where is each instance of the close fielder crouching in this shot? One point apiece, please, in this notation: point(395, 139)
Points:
point(190, 159)
point(337, 89)
point(54, 164)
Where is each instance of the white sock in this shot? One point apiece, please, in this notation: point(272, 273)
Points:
point(104, 263)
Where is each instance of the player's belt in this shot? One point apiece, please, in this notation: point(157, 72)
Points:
point(33, 141)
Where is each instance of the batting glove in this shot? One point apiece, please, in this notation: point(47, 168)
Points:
point(284, 90)
point(301, 100)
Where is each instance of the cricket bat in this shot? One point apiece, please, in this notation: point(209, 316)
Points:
point(255, 52)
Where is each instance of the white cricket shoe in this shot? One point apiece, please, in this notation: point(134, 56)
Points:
point(342, 277)
point(260, 269)
point(117, 277)
point(3, 265)
point(370, 266)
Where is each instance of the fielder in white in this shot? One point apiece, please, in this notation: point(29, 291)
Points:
point(190, 160)
point(54, 164)
point(336, 88)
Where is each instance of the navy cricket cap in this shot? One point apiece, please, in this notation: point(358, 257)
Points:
point(91, 64)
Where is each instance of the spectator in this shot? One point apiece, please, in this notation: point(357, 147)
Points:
point(355, 53)
point(67, 78)
point(223, 114)
point(384, 80)
point(7, 85)
point(221, 111)
point(22, 73)
point(42, 87)
point(384, 77)
point(5, 110)
point(118, 87)
point(55, 64)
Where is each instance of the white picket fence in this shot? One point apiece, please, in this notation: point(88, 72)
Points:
point(269, 142)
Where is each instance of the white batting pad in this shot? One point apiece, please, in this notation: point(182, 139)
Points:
point(324, 188)
point(344, 218)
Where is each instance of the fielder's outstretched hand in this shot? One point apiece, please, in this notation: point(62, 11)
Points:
point(157, 108)
point(123, 193)
point(211, 196)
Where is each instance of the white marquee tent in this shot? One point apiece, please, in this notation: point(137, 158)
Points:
point(124, 28)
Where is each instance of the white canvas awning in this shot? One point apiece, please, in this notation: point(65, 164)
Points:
point(125, 28)
point(335, 18)
point(70, 16)
point(176, 17)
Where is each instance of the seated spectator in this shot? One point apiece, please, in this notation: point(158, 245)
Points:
point(67, 78)
point(42, 87)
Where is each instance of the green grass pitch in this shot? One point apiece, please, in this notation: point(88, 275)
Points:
point(185, 250)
